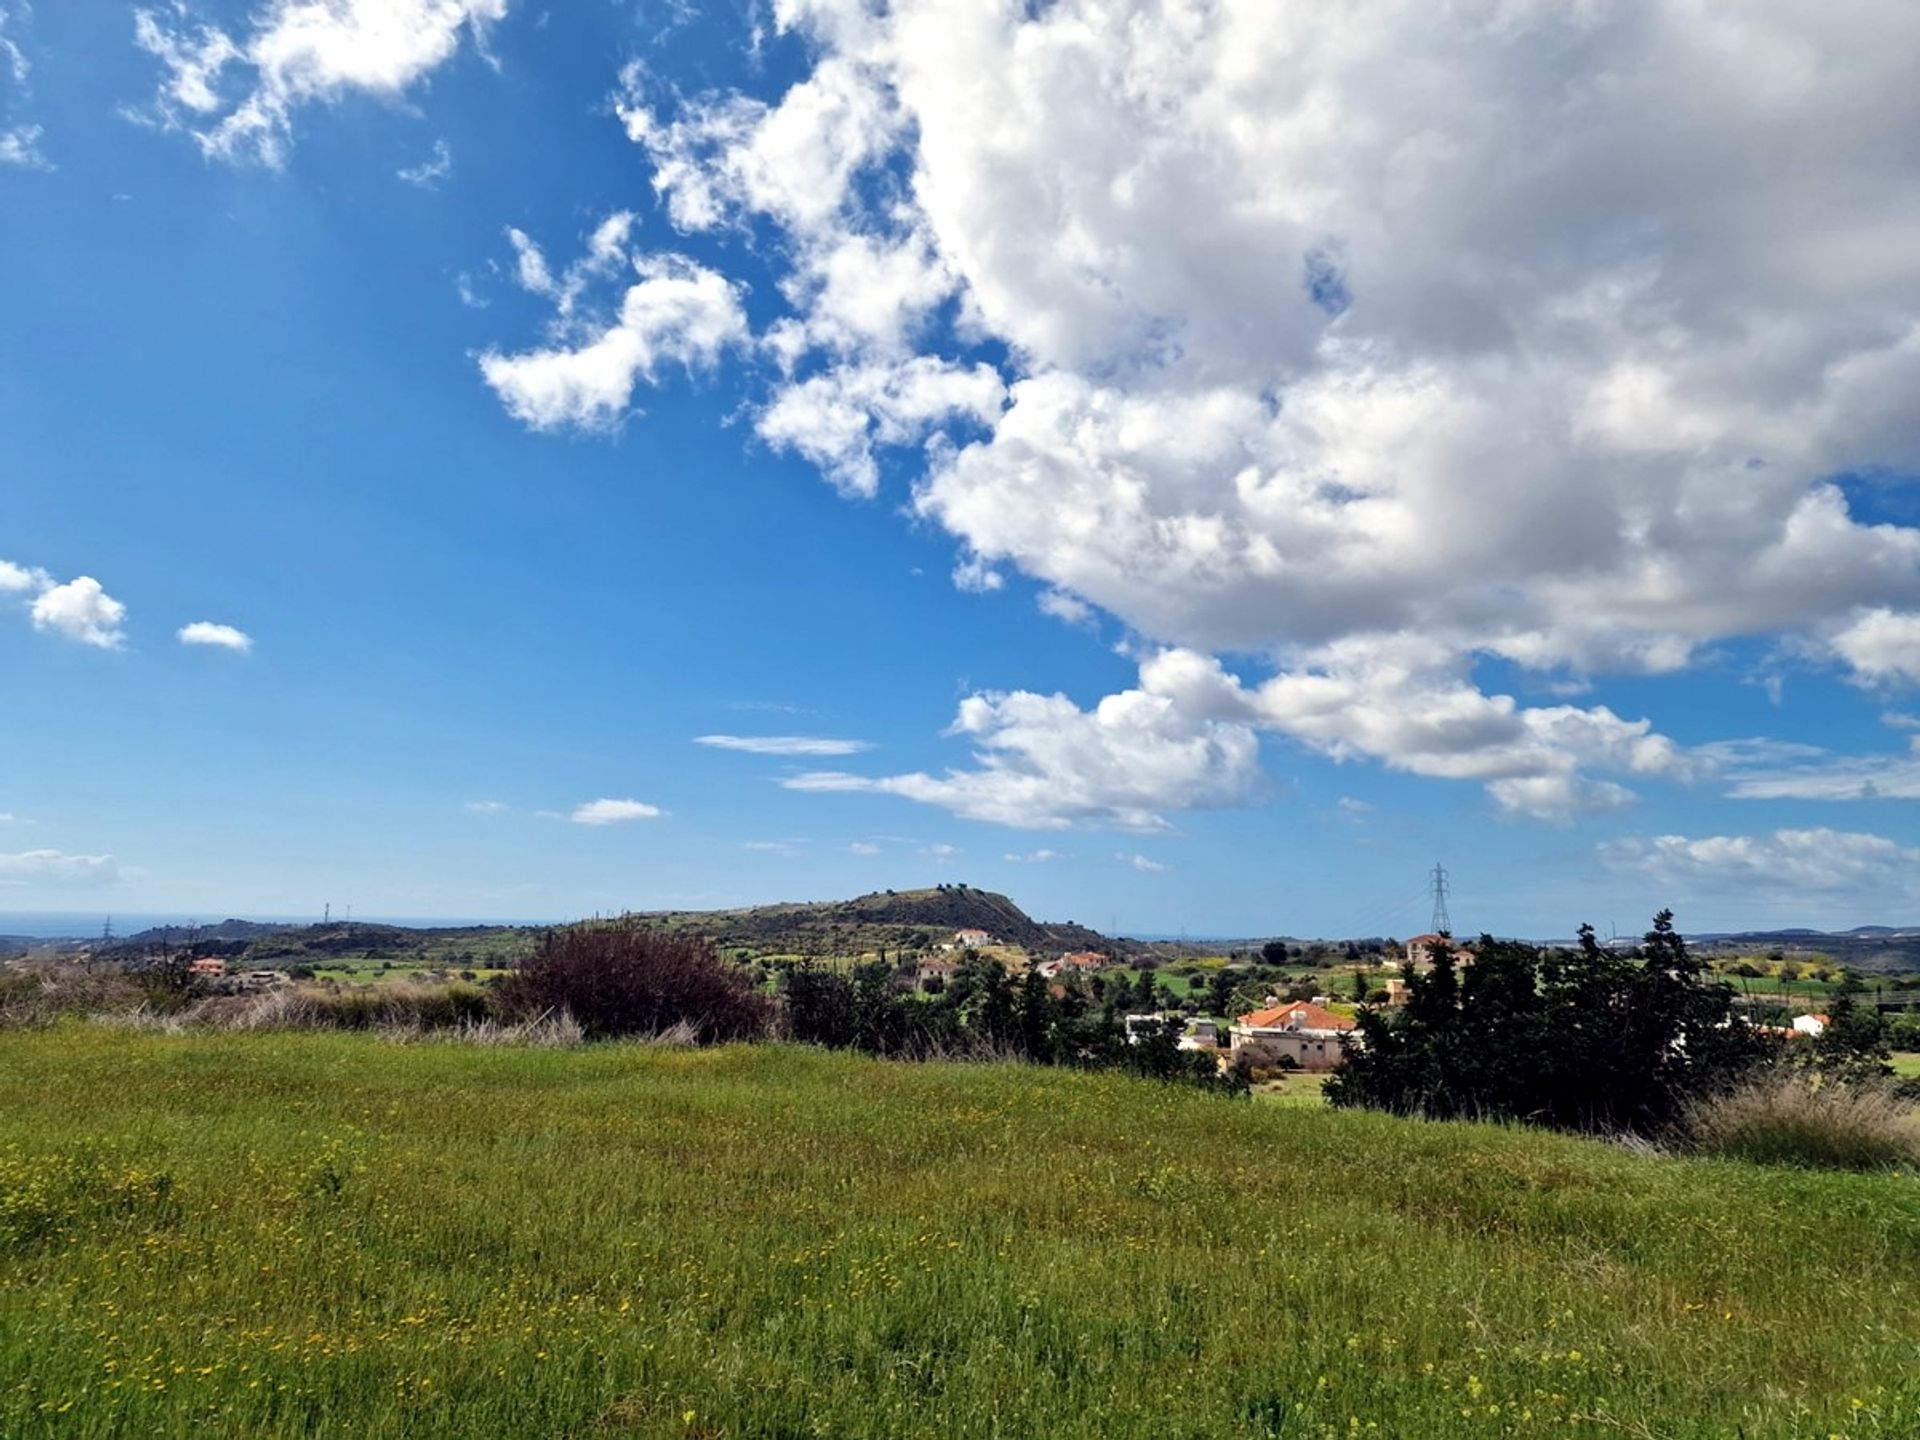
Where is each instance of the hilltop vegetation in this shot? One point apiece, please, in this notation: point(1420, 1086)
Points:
point(330, 1236)
point(884, 920)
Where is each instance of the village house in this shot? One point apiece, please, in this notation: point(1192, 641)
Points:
point(1080, 962)
point(1422, 948)
point(1812, 1026)
point(935, 975)
point(968, 940)
point(1310, 1036)
point(206, 967)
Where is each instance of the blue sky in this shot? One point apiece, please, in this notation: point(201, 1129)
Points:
point(959, 382)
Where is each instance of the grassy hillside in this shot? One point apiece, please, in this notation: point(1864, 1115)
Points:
point(886, 919)
point(328, 1235)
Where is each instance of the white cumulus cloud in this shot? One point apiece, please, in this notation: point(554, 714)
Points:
point(676, 312)
point(81, 610)
point(613, 812)
point(223, 637)
point(238, 96)
point(1043, 763)
point(1527, 331)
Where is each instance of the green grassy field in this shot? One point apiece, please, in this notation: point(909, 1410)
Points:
point(1907, 1063)
point(336, 1236)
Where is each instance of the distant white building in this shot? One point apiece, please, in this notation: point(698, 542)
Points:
point(1812, 1026)
point(971, 939)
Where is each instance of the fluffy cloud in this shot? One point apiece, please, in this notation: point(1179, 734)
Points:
point(613, 812)
point(52, 867)
point(1045, 764)
point(1186, 738)
point(298, 52)
point(223, 637)
point(1784, 861)
point(1881, 644)
point(80, 610)
point(676, 312)
point(837, 417)
point(15, 578)
point(1142, 863)
point(1401, 391)
point(485, 807)
point(1036, 857)
point(784, 744)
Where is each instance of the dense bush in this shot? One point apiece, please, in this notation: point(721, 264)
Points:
point(624, 978)
point(1586, 1039)
point(1782, 1118)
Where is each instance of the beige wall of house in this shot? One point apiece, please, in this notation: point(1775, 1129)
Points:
point(1308, 1050)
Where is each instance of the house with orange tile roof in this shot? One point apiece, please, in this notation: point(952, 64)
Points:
point(1080, 962)
point(1309, 1036)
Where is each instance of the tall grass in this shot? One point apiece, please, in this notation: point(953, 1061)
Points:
point(317, 1234)
point(1789, 1119)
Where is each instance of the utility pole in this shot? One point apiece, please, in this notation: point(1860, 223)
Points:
point(1442, 921)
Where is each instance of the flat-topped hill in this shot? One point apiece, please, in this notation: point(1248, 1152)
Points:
point(885, 919)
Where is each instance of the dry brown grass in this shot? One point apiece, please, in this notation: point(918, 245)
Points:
point(1788, 1119)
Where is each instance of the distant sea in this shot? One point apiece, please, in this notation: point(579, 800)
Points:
point(83, 925)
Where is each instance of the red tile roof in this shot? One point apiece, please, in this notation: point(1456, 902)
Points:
point(1300, 1015)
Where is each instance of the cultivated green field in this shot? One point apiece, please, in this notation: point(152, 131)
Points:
point(337, 1236)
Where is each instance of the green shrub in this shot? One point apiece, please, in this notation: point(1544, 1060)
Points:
point(1785, 1119)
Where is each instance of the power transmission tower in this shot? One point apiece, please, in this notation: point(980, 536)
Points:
point(106, 931)
point(1442, 922)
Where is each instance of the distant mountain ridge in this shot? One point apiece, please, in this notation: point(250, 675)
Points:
point(1879, 949)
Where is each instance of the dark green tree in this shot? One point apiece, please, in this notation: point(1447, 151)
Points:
point(1582, 1039)
point(1853, 1047)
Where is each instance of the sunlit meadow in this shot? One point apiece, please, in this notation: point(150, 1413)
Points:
point(337, 1235)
